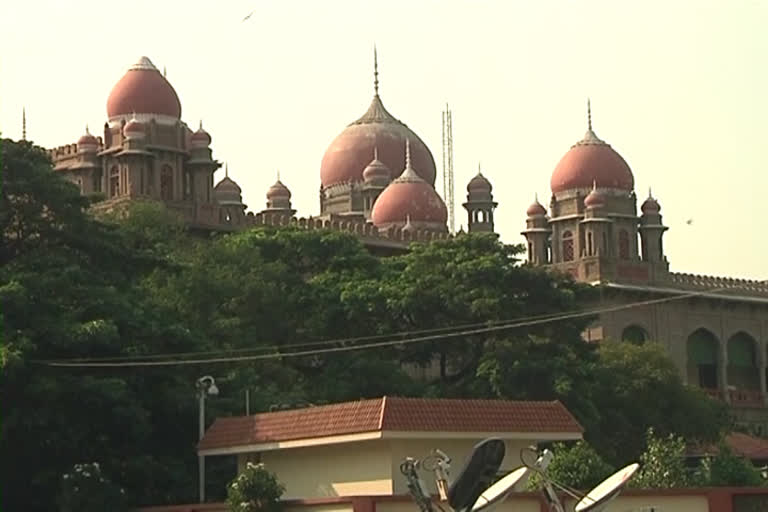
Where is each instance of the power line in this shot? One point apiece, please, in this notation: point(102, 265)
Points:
point(381, 344)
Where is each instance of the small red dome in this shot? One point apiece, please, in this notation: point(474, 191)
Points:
point(133, 128)
point(278, 190)
point(409, 197)
point(591, 161)
point(350, 152)
point(227, 185)
point(479, 184)
point(536, 209)
point(650, 205)
point(88, 139)
point(376, 171)
point(143, 90)
point(594, 199)
point(201, 137)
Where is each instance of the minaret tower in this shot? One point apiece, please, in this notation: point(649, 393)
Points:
point(537, 233)
point(480, 204)
point(651, 231)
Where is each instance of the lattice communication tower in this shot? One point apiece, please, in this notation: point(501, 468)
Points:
point(448, 167)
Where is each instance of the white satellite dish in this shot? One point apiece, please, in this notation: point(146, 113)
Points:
point(496, 493)
point(598, 498)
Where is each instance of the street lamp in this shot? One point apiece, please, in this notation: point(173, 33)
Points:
point(205, 386)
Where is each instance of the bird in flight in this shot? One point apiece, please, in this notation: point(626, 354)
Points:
point(689, 222)
point(249, 15)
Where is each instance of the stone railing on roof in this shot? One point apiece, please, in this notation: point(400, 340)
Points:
point(725, 284)
point(363, 230)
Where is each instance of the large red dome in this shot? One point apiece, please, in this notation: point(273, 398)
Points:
point(591, 162)
point(143, 90)
point(350, 152)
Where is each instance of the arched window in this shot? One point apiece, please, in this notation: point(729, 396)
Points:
point(567, 246)
point(114, 181)
point(590, 250)
point(623, 245)
point(634, 334)
point(742, 362)
point(166, 183)
point(530, 252)
point(702, 350)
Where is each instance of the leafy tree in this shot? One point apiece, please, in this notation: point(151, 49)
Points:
point(638, 387)
point(662, 465)
point(255, 490)
point(68, 289)
point(578, 466)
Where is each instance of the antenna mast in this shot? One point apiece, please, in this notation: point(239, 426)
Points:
point(448, 167)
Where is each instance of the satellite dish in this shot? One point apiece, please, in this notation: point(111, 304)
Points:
point(496, 493)
point(598, 498)
point(477, 474)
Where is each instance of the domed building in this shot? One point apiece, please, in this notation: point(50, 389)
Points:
point(343, 189)
point(146, 152)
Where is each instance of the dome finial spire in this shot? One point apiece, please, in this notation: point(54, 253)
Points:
point(375, 71)
point(589, 115)
point(278, 174)
point(478, 167)
point(594, 185)
point(407, 153)
point(226, 169)
point(376, 152)
point(23, 123)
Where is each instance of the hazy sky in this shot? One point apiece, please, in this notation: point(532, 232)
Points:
point(679, 89)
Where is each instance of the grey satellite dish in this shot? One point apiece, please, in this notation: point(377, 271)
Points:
point(598, 498)
point(496, 493)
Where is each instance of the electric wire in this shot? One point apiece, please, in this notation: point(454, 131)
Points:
point(380, 344)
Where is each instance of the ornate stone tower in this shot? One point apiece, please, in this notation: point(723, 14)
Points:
point(593, 228)
point(480, 204)
point(147, 152)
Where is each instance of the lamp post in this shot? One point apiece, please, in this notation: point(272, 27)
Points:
point(205, 386)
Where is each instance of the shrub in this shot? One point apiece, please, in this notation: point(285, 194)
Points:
point(577, 466)
point(255, 490)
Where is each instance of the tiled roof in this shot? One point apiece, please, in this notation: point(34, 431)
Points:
point(748, 446)
point(753, 448)
point(391, 414)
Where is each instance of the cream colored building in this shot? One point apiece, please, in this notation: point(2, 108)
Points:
point(355, 448)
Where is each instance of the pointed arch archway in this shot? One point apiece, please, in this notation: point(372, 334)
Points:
point(634, 334)
point(703, 359)
point(743, 368)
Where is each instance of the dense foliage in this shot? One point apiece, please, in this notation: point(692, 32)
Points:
point(73, 286)
point(85, 489)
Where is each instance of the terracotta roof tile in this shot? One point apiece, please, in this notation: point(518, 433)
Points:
point(390, 414)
